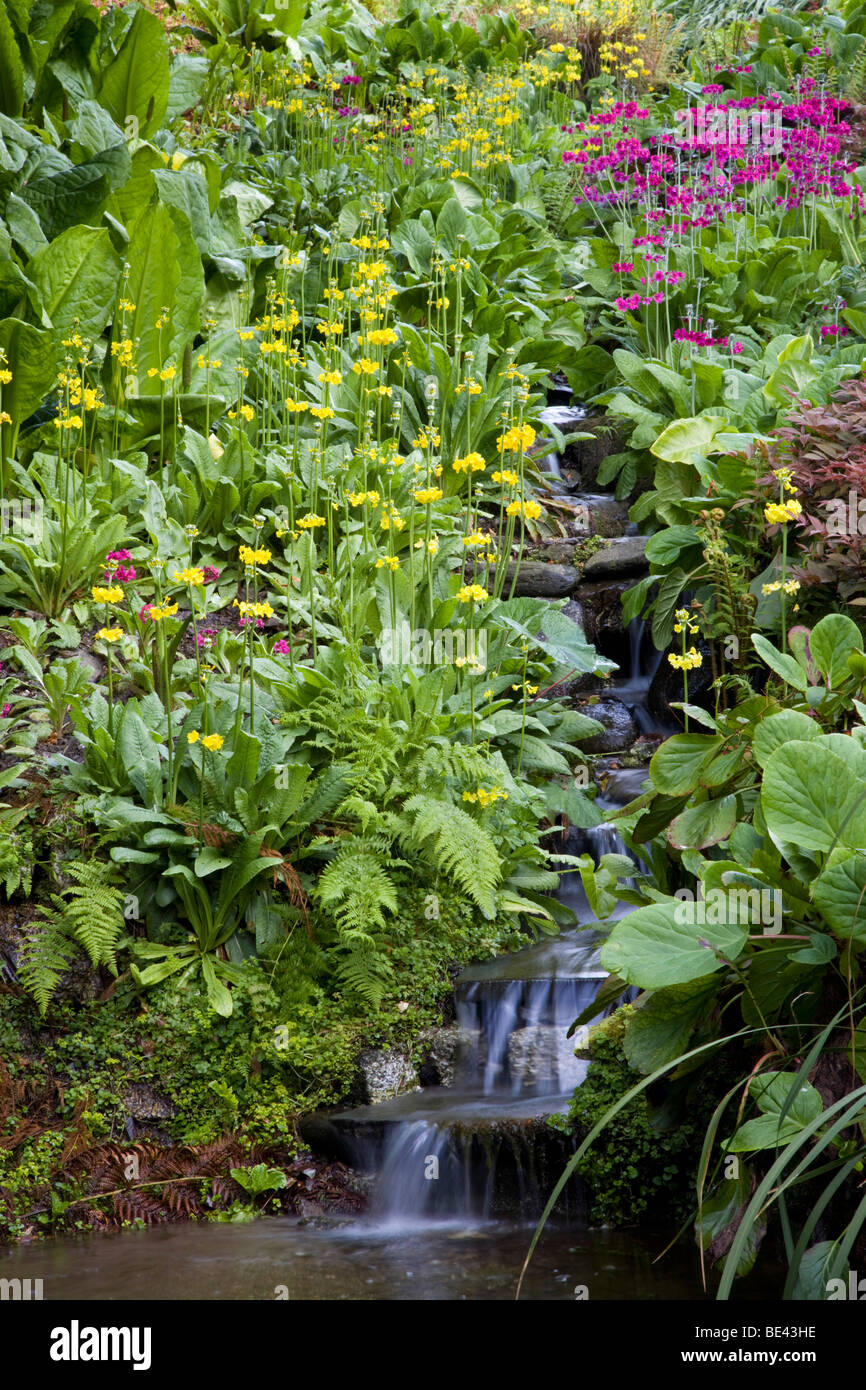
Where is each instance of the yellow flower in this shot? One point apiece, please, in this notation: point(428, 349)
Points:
point(322, 412)
point(254, 557)
point(365, 367)
point(381, 337)
point(472, 463)
point(689, 662)
point(428, 495)
point(167, 610)
point(295, 407)
point(310, 521)
point(518, 439)
point(213, 742)
point(777, 513)
point(190, 575)
point(253, 610)
point(472, 593)
point(193, 736)
point(112, 595)
point(110, 634)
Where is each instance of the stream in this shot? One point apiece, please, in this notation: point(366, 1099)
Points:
point(458, 1172)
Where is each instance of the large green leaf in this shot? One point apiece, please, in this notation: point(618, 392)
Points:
point(32, 359)
point(11, 69)
point(811, 799)
point(660, 1030)
point(840, 896)
point(690, 440)
point(70, 195)
point(164, 273)
point(665, 547)
point(831, 642)
point(706, 824)
point(77, 276)
point(650, 948)
point(186, 189)
point(140, 757)
point(187, 78)
point(772, 1092)
point(24, 225)
point(135, 84)
point(676, 766)
point(721, 1213)
point(784, 665)
point(779, 729)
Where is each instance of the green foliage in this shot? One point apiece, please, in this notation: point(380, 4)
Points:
point(637, 1172)
point(88, 914)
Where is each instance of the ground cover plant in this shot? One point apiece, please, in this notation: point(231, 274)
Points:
point(282, 295)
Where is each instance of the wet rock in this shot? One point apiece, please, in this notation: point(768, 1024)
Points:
point(559, 551)
point(325, 1138)
point(542, 1053)
point(568, 689)
point(80, 983)
point(619, 727)
point(601, 605)
point(142, 1102)
point(384, 1073)
point(587, 455)
point(617, 783)
point(449, 1051)
point(538, 580)
point(667, 685)
point(574, 611)
point(624, 555)
point(607, 516)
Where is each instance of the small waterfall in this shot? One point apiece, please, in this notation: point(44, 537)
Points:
point(633, 689)
point(521, 1025)
point(425, 1175)
point(481, 1146)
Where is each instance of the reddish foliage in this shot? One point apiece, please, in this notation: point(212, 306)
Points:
point(825, 448)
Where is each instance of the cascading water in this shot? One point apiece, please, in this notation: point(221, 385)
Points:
point(633, 689)
point(481, 1146)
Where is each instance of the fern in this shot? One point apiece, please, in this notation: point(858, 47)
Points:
point(854, 86)
point(458, 845)
point(93, 912)
point(558, 195)
point(365, 972)
point(357, 890)
point(44, 958)
point(88, 914)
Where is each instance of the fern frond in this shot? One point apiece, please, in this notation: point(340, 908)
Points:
point(43, 958)
point(357, 889)
point(365, 972)
point(457, 845)
point(93, 912)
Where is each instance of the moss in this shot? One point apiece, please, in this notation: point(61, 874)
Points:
point(290, 1046)
point(636, 1171)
